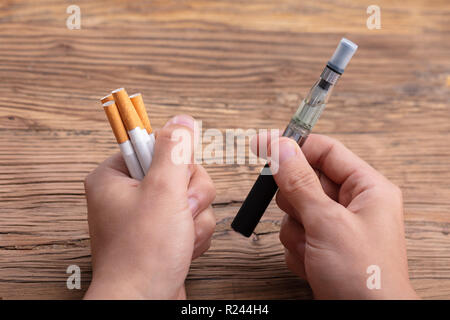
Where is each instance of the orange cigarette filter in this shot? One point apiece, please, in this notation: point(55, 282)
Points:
point(107, 98)
point(127, 111)
point(139, 105)
point(112, 113)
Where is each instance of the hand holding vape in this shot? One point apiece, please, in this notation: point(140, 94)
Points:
point(298, 129)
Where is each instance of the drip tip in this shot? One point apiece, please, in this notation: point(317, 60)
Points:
point(341, 57)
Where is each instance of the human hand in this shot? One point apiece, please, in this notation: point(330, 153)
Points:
point(144, 234)
point(342, 217)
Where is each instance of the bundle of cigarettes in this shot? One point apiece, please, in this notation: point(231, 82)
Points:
point(131, 127)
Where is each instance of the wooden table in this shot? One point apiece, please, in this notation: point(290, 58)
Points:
point(232, 64)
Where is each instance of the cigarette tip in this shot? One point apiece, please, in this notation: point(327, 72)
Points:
point(135, 95)
point(117, 90)
point(108, 103)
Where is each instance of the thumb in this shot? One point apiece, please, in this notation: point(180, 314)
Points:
point(297, 181)
point(173, 156)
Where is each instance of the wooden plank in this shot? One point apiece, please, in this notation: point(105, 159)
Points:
point(232, 65)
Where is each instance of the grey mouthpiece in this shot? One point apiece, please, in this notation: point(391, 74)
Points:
point(341, 57)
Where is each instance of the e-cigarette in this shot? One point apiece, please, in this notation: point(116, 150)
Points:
point(298, 129)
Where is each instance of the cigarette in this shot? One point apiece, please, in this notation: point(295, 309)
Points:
point(134, 126)
point(107, 98)
point(139, 105)
point(126, 148)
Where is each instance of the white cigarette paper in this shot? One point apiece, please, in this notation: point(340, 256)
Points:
point(131, 160)
point(140, 139)
point(139, 106)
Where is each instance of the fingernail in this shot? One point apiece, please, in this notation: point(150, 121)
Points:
point(181, 120)
point(287, 149)
point(193, 205)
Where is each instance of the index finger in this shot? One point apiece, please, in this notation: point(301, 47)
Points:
point(332, 158)
point(111, 170)
point(115, 165)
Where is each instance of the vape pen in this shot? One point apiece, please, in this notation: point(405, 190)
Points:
point(298, 129)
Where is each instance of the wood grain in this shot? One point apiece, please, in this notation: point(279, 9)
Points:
point(232, 64)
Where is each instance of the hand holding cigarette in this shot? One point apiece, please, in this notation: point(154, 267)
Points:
point(342, 216)
point(145, 234)
point(131, 127)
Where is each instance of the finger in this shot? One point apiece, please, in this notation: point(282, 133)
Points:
point(341, 166)
point(204, 224)
point(201, 190)
point(172, 159)
point(337, 162)
point(332, 158)
point(201, 249)
point(285, 205)
point(292, 236)
point(116, 163)
point(299, 183)
point(107, 180)
point(324, 153)
point(295, 263)
point(113, 167)
point(330, 188)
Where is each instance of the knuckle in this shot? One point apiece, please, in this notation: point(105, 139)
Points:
point(205, 247)
point(335, 143)
point(396, 196)
point(88, 180)
point(204, 188)
point(331, 142)
point(283, 236)
point(279, 200)
point(210, 225)
point(335, 215)
point(397, 192)
point(205, 229)
point(379, 192)
point(208, 245)
point(283, 204)
point(286, 235)
point(388, 190)
point(211, 190)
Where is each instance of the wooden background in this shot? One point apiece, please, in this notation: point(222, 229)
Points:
point(232, 64)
